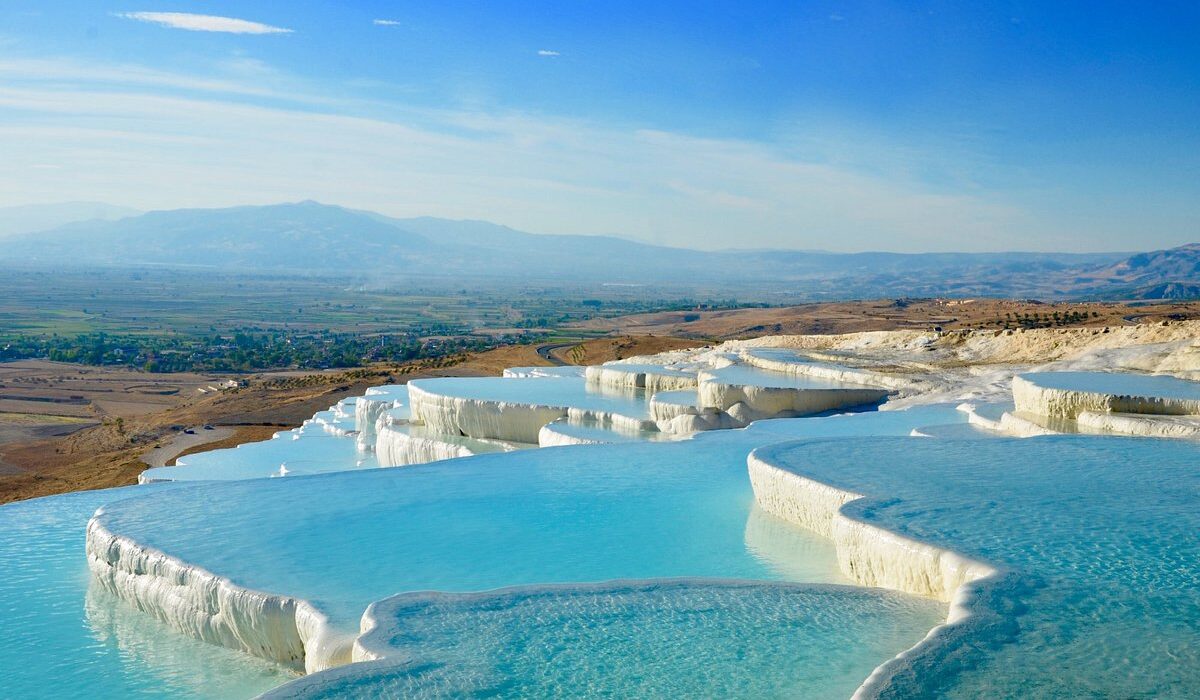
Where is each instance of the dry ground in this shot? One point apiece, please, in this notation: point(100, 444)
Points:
point(848, 317)
point(116, 416)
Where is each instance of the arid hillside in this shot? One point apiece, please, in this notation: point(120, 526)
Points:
point(899, 314)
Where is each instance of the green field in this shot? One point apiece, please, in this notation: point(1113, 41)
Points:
point(170, 320)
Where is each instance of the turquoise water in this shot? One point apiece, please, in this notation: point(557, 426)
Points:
point(475, 445)
point(588, 430)
point(345, 540)
point(1119, 383)
point(778, 354)
point(744, 375)
point(695, 638)
point(291, 453)
point(1099, 535)
point(681, 397)
point(993, 411)
point(565, 392)
point(58, 639)
point(539, 516)
point(641, 368)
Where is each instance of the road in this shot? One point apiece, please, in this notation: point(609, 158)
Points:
point(159, 456)
point(545, 350)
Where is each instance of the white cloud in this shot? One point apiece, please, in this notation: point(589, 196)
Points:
point(204, 23)
point(134, 143)
point(385, 23)
point(547, 52)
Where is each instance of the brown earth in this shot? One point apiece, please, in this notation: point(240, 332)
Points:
point(911, 314)
point(594, 352)
point(137, 411)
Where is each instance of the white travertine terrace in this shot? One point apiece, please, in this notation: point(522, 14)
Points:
point(399, 443)
point(871, 555)
point(868, 554)
point(652, 378)
point(669, 405)
point(1140, 425)
point(1031, 396)
point(368, 410)
point(829, 372)
point(1008, 423)
point(767, 401)
point(506, 420)
point(478, 418)
point(212, 608)
point(551, 436)
point(543, 372)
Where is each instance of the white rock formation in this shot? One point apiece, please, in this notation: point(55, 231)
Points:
point(399, 443)
point(212, 608)
point(1032, 397)
point(507, 420)
point(835, 372)
point(543, 372)
point(553, 435)
point(1010, 423)
point(369, 409)
point(639, 376)
point(477, 418)
point(771, 402)
point(1141, 425)
point(871, 555)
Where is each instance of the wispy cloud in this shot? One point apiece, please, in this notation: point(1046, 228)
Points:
point(535, 173)
point(549, 53)
point(385, 23)
point(204, 23)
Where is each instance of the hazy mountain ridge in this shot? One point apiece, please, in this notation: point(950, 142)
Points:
point(31, 218)
point(315, 238)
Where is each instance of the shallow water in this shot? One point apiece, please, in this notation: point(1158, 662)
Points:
point(679, 397)
point(291, 453)
point(590, 430)
point(778, 354)
point(698, 638)
point(583, 513)
point(1119, 383)
point(58, 639)
point(1100, 533)
point(752, 376)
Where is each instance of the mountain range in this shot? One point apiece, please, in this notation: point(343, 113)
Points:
point(314, 238)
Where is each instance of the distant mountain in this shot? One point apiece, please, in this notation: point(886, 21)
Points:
point(1159, 274)
point(39, 217)
point(298, 237)
point(308, 237)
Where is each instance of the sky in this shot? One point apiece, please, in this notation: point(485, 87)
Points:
point(843, 126)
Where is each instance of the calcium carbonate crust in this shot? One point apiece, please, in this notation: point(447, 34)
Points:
point(506, 420)
point(780, 402)
point(368, 412)
point(1139, 425)
point(396, 448)
point(1010, 424)
point(212, 608)
point(874, 556)
point(374, 650)
point(1031, 397)
point(617, 376)
point(833, 372)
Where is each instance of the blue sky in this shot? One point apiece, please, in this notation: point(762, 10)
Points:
point(843, 126)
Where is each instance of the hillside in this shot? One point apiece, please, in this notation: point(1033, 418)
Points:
point(313, 238)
